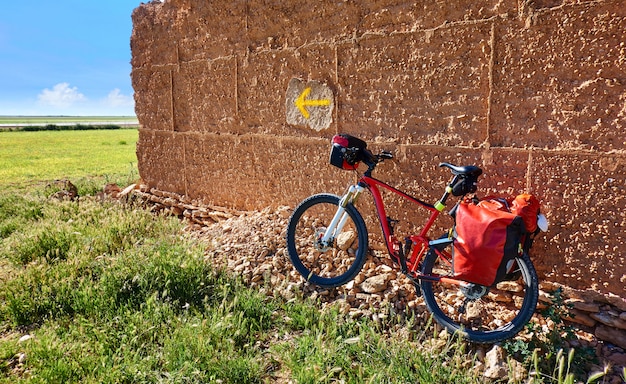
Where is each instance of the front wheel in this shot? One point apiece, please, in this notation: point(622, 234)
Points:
point(336, 261)
point(482, 314)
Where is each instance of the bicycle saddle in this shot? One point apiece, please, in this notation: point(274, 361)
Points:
point(468, 170)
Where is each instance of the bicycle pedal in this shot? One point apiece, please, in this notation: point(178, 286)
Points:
point(416, 284)
point(418, 290)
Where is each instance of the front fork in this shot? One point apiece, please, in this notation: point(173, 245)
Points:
point(341, 216)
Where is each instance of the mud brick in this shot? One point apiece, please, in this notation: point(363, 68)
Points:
point(162, 166)
point(153, 95)
point(559, 82)
point(582, 196)
point(429, 87)
point(204, 92)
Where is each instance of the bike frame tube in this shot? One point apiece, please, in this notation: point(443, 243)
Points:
point(421, 242)
point(373, 186)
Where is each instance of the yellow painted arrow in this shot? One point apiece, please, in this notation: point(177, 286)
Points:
point(302, 102)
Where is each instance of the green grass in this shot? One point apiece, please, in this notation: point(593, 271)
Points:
point(50, 155)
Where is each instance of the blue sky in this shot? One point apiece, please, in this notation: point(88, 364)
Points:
point(66, 57)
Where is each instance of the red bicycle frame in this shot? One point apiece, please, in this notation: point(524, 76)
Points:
point(421, 243)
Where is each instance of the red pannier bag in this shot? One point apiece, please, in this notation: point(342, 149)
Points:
point(526, 206)
point(487, 238)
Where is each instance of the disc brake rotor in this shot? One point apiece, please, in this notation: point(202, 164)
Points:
point(474, 291)
point(317, 240)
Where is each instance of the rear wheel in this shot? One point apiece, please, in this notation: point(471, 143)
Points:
point(340, 259)
point(482, 314)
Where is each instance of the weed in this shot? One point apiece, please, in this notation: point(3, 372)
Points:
point(17, 211)
point(335, 348)
point(550, 343)
point(47, 243)
point(301, 315)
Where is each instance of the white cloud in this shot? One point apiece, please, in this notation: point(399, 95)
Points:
point(63, 99)
point(116, 99)
point(61, 95)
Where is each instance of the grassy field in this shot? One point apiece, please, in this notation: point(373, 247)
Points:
point(95, 291)
point(62, 119)
point(41, 156)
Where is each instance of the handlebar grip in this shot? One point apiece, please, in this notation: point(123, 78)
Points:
point(368, 157)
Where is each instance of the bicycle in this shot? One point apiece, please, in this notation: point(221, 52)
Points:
point(327, 242)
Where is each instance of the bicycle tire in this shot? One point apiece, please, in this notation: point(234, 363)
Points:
point(501, 315)
point(333, 266)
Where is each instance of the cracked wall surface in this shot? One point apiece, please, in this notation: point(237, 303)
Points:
point(534, 92)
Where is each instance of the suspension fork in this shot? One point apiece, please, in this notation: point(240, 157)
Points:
point(341, 216)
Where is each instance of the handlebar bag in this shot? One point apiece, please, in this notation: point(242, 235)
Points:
point(487, 238)
point(347, 151)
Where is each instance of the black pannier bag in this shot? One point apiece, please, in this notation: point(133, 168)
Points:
point(347, 151)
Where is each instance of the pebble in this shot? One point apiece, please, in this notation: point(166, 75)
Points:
point(25, 338)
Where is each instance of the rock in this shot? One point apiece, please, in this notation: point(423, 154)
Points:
point(588, 296)
point(612, 335)
point(617, 359)
point(580, 317)
point(362, 296)
point(25, 338)
point(501, 297)
point(518, 372)
point(510, 286)
point(544, 297)
point(127, 190)
point(495, 364)
point(345, 240)
point(473, 310)
point(549, 286)
point(616, 301)
point(607, 319)
point(583, 306)
point(375, 284)
point(66, 190)
point(112, 190)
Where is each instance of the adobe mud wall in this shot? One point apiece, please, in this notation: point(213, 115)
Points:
point(534, 92)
